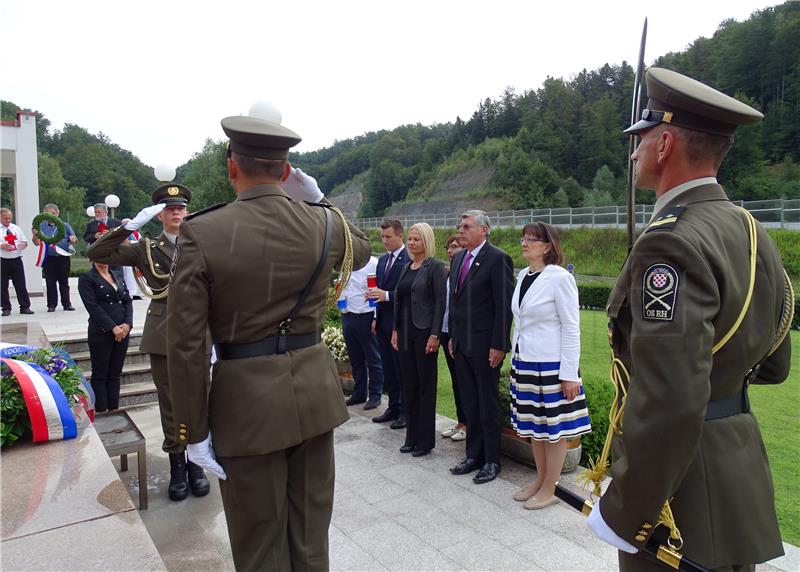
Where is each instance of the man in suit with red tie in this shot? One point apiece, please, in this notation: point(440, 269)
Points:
point(481, 285)
point(389, 267)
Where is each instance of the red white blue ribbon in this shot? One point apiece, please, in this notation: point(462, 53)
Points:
point(42, 255)
point(50, 414)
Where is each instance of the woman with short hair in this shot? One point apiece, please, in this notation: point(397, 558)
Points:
point(418, 313)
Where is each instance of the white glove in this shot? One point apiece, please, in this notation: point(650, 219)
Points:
point(597, 525)
point(202, 454)
point(144, 216)
point(302, 187)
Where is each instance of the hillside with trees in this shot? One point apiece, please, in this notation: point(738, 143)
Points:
point(555, 146)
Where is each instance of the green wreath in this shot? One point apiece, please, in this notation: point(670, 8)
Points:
point(53, 219)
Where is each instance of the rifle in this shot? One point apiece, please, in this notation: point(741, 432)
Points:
point(635, 112)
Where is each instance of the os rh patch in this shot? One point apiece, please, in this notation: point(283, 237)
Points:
point(659, 292)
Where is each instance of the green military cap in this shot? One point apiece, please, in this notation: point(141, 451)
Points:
point(684, 102)
point(260, 138)
point(172, 194)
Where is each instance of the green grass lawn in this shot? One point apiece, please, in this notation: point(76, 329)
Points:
point(776, 406)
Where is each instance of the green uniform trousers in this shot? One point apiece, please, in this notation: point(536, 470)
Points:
point(158, 365)
point(278, 506)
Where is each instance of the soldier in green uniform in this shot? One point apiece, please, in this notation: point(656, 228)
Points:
point(153, 258)
point(256, 271)
point(695, 316)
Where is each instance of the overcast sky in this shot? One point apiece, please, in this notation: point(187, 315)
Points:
point(157, 77)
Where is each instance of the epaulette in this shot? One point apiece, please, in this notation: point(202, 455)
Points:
point(666, 220)
point(324, 205)
point(205, 210)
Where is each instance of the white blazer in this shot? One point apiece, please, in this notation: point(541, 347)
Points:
point(547, 323)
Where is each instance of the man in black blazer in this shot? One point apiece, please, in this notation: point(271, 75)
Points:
point(100, 225)
point(388, 273)
point(481, 285)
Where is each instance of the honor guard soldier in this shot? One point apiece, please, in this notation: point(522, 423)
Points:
point(257, 271)
point(153, 259)
point(700, 311)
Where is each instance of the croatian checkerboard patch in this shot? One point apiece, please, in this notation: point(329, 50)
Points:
point(659, 292)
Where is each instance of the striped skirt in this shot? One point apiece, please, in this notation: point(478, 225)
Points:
point(538, 407)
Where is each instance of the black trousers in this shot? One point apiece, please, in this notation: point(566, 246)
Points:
point(420, 374)
point(12, 269)
point(444, 340)
point(56, 278)
point(479, 385)
point(107, 359)
point(390, 360)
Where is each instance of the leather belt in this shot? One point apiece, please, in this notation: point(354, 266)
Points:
point(728, 406)
point(267, 346)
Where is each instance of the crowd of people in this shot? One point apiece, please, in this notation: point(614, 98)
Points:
point(466, 309)
point(699, 312)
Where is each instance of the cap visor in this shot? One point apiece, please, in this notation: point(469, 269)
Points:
point(173, 202)
point(640, 126)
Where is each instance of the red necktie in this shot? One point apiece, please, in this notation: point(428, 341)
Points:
point(389, 263)
point(462, 275)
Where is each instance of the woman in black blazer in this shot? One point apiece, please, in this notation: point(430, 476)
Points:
point(110, 310)
point(418, 313)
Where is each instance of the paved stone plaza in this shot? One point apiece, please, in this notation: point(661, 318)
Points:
point(391, 512)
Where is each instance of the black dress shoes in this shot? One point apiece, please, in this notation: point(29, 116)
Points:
point(384, 417)
point(69, 309)
point(466, 466)
point(399, 424)
point(51, 309)
point(26, 311)
point(372, 404)
point(487, 473)
point(406, 448)
point(354, 401)
point(6, 312)
point(420, 452)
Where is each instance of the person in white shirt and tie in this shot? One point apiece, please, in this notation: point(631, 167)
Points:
point(11, 268)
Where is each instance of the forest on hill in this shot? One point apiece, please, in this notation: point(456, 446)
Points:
point(558, 145)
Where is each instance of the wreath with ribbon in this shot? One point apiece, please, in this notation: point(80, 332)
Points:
point(52, 219)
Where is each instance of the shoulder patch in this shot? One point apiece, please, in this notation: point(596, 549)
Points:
point(666, 220)
point(205, 210)
point(659, 292)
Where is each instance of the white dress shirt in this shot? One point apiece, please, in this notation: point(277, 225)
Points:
point(395, 254)
point(21, 242)
point(355, 291)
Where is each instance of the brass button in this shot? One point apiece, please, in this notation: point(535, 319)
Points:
point(148, 311)
point(640, 537)
point(647, 525)
point(161, 243)
point(182, 437)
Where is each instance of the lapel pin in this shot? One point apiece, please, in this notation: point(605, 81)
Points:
point(477, 264)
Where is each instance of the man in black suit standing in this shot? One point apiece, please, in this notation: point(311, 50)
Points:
point(481, 285)
point(389, 267)
point(100, 225)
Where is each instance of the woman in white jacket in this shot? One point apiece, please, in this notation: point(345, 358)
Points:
point(547, 399)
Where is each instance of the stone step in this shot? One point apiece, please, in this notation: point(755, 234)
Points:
point(134, 356)
point(131, 374)
point(76, 342)
point(137, 393)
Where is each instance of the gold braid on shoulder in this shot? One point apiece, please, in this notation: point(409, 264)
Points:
point(147, 290)
point(347, 262)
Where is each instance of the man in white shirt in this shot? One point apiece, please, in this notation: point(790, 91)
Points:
point(362, 346)
point(11, 268)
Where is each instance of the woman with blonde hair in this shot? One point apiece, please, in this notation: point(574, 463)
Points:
point(418, 313)
point(547, 399)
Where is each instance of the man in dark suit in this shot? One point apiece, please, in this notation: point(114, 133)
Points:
point(481, 284)
point(100, 225)
point(389, 267)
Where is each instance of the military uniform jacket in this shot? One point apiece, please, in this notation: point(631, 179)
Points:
point(113, 248)
point(681, 290)
point(240, 270)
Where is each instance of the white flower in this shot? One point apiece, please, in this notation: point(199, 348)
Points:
point(333, 338)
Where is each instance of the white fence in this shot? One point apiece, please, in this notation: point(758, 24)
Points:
point(776, 213)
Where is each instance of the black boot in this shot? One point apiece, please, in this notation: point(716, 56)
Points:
point(197, 480)
point(178, 487)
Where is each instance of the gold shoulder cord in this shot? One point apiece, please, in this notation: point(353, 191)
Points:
point(147, 291)
point(347, 263)
point(620, 377)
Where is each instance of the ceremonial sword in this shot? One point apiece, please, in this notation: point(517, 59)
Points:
point(635, 112)
point(653, 547)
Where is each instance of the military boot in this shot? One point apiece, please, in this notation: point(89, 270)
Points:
point(178, 487)
point(197, 480)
